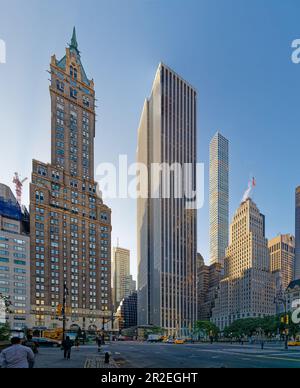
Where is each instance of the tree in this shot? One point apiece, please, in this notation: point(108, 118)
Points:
point(206, 327)
point(270, 325)
point(245, 327)
point(4, 332)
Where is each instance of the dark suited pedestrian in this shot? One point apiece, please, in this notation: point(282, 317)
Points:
point(67, 345)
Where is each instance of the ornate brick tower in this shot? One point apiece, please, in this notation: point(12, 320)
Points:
point(70, 225)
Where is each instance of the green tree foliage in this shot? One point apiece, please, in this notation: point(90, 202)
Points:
point(269, 326)
point(206, 327)
point(4, 332)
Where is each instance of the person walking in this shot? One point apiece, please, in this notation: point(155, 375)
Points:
point(17, 356)
point(29, 343)
point(99, 343)
point(77, 343)
point(67, 345)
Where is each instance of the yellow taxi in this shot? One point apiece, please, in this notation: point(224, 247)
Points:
point(179, 341)
point(294, 343)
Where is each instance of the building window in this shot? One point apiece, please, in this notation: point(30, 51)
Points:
point(86, 101)
point(73, 72)
point(73, 93)
point(60, 86)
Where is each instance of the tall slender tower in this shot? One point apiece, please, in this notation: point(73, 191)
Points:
point(166, 227)
point(297, 235)
point(218, 198)
point(70, 225)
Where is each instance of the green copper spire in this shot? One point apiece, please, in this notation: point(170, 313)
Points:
point(74, 44)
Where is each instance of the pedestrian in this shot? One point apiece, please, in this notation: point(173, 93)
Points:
point(29, 343)
point(99, 343)
point(17, 356)
point(67, 345)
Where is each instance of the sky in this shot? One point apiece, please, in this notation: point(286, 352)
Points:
point(236, 53)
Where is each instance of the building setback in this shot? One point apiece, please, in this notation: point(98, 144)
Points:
point(218, 198)
point(166, 228)
point(297, 234)
point(14, 261)
point(70, 224)
point(248, 289)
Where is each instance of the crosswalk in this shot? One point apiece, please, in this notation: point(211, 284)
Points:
point(98, 363)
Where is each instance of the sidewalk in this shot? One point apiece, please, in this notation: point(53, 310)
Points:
point(98, 363)
point(53, 357)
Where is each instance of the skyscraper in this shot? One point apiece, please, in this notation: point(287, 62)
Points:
point(70, 225)
point(248, 289)
point(218, 198)
point(297, 235)
point(123, 283)
point(282, 252)
point(166, 226)
point(126, 315)
point(14, 261)
point(208, 280)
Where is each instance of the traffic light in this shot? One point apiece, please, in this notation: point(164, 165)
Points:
point(287, 319)
point(59, 310)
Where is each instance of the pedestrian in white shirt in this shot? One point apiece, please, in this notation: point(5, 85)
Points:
point(16, 356)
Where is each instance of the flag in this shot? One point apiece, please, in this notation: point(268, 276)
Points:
point(253, 182)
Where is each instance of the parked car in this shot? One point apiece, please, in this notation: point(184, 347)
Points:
point(154, 338)
point(46, 342)
point(170, 341)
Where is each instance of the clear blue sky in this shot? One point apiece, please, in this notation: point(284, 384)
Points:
point(235, 52)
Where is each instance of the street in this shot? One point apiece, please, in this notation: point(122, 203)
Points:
point(144, 355)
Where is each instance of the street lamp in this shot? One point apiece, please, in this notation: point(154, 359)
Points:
point(65, 293)
point(282, 298)
point(112, 319)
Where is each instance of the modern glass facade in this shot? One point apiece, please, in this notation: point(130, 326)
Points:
point(219, 198)
point(166, 228)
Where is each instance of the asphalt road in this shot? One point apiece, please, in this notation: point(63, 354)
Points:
point(143, 355)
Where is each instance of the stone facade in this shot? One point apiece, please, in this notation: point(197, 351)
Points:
point(70, 224)
point(248, 287)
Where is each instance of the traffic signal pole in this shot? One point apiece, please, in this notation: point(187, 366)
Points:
point(65, 293)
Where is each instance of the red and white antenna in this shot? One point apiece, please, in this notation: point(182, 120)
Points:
point(18, 182)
